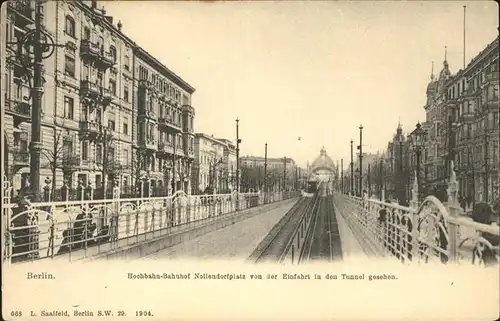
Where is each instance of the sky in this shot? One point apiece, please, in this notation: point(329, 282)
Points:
point(314, 69)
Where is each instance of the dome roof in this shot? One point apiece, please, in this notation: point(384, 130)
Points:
point(323, 161)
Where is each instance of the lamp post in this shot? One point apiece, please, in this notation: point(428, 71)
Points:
point(342, 176)
point(238, 141)
point(284, 174)
point(417, 141)
point(174, 167)
point(265, 170)
point(361, 160)
point(40, 44)
point(352, 171)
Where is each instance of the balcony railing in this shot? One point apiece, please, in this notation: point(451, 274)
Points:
point(90, 129)
point(151, 114)
point(150, 144)
point(70, 162)
point(492, 76)
point(18, 108)
point(92, 52)
point(167, 122)
point(23, 10)
point(21, 156)
point(467, 116)
point(94, 91)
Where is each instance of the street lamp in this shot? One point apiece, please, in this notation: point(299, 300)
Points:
point(41, 45)
point(417, 141)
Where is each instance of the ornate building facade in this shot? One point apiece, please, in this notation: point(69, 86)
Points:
point(165, 137)
point(99, 88)
point(209, 165)
point(462, 124)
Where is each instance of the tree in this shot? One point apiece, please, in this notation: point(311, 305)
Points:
point(61, 156)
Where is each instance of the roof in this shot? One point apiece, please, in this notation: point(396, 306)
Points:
point(323, 160)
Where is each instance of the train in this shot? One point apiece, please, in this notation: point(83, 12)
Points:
point(312, 186)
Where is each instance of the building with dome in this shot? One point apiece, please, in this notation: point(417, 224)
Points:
point(324, 167)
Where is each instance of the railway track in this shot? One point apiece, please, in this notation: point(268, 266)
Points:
point(322, 239)
point(273, 247)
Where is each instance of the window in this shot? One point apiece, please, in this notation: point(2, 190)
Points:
point(86, 33)
point(98, 154)
point(69, 105)
point(69, 65)
point(112, 52)
point(111, 154)
point(111, 124)
point(67, 148)
point(125, 126)
point(85, 150)
point(127, 63)
point(126, 157)
point(112, 87)
point(126, 94)
point(69, 27)
point(86, 72)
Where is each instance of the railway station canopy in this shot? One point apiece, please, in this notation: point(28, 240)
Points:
point(323, 162)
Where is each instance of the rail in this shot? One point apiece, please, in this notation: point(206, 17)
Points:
point(46, 230)
point(272, 248)
point(387, 230)
point(298, 245)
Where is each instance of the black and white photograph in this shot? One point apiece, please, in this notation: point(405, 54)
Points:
point(280, 134)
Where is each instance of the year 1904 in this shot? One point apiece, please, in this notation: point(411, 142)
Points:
point(143, 313)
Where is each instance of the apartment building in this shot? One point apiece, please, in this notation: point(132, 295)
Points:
point(462, 124)
point(165, 119)
point(210, 164)
point(109, 109)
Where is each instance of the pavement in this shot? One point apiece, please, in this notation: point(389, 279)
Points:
point(234, 242)
point(351, 248)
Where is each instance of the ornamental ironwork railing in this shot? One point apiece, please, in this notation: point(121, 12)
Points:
point(425, 233)
point(86, 227)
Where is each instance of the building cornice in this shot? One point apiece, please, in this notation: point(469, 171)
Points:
point(213, 139)
point(104, 21)
point(155, 63)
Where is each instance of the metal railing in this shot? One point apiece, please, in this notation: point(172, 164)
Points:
point(297, 245)
point(426, 233)
point(87, 227)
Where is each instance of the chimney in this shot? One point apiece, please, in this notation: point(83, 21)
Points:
point(94, 4)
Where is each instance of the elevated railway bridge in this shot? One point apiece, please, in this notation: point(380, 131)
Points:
point(288, 228)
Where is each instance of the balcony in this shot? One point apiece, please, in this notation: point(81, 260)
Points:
point(144, 84)
point(165, 148)
point(115, 167)
point(23, 12)
point(19, 109)
point(467, 117)
point(95, 54)
point(95, 92)
point(491, 104)
point(21, 158)
point(149, 144)
point(70, 163)
point(491, 76)
point(166, 122)
point(90, 130)
point(145, 113)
